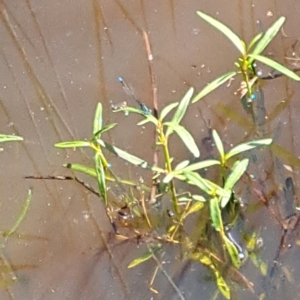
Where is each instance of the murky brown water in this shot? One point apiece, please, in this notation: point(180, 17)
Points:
point(58, 59)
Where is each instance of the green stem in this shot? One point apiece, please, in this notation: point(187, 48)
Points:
point(164, 141)
point(247, 81)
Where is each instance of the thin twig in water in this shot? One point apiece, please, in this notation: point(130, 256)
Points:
point(49, 177)
point(159, 265)
point(155, 104)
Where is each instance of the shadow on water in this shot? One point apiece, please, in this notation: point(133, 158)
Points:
point(57, 61)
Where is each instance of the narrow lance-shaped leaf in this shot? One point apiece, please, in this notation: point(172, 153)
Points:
point(104, 129)
point(146, 256)
point(222, 286)
point(215, 214)
point(167, 109)
point(182, 165)
point(108, 127)
point(168, 178)
point(237, 171)
point(204, 184)
point(198, 198)
point(187, 139)
point(206, 260)
point(72, 144)
point(148, 118)
point(83, 169)
point(213, 85)
point(233, 251)
point(195, 179)
point(9, 138)
point(196, 206)
point(275, 65)
point(255, 40)
point(180, 111)
point(267, 37)
point(21, 216)
point(200, 165)
point(247, 146)
point(92, 172)
point(98, 121)
point(101, 177)
point(239, 44)
point(129, 157)
point(219, 145)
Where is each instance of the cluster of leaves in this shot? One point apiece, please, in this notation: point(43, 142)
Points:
point(217, 197)
point(250, 53)
point(214, 195)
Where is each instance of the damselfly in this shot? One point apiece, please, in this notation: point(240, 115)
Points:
point(129, 91)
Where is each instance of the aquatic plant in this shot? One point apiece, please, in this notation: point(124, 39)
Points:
point(216, 195)
point(214, 200)
point(249, 54)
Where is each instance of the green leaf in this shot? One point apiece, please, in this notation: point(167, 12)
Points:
point(194, 208)
point(101, 177)
point(146, 256)
point(232, 251)
point(168, 178)
point(275, 65)
point(195, 179)
point(239, 44)
point(237, 171)
point(148, 118)
point(215, 214)
point(98, 121)
point(247, 146)
point(213, 85)
point(219, 145)
point(9, 138)
point(182, 107)
point(129, 157)
point(83, 169)
point(222, 286)
point(104, 129)
point(198, 198)
point(201, 165)
point(167, 109)
point(180, 111)
point(108, 127)
point(205, 185)
point(21, 216)
point(182, 165)
point(255, 40)
point(72, 144)
point(187, 139)
point(267, 37)
point(143, 122)
point(179, 176)
point(92, 172)
point(263, 268)
point(184, 199)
